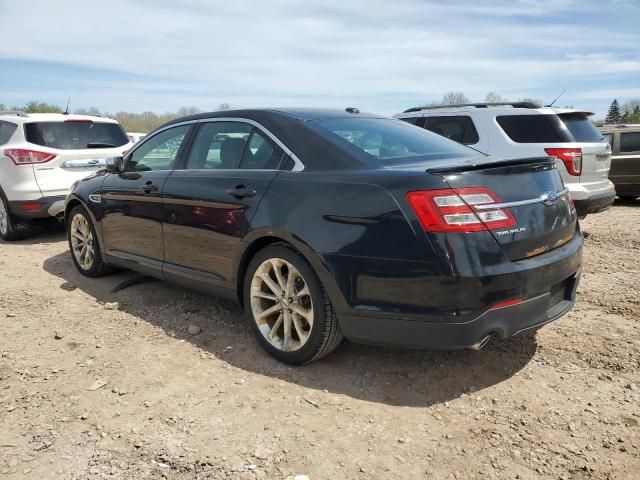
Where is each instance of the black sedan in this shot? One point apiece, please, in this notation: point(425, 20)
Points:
point(327, 224)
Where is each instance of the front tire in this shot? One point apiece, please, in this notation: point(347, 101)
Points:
point(288, 309)
point(10, 228)
point(84, 245)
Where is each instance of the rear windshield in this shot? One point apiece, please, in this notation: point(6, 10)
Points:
point(75, 135)
point(534, 128)
point(385, 141)
point(582, 129)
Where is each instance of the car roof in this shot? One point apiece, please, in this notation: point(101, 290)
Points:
point(23, 117)
point(300, 114)
point(489, 110)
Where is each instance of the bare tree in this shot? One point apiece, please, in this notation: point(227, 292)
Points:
point(494, 97)
point(630, 106)
point(184, 111)
point(535, 101)
point(224, 106)
point(454, 98)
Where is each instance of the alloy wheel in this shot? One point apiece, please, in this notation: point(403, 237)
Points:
point(4, 217)
point(82, 241)
point(281, 304)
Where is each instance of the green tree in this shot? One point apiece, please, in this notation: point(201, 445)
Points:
point(41, 107)
point(614, 115)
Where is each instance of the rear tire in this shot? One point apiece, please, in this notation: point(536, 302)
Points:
point(288, 309)
point(84, 244)
point(11, 228)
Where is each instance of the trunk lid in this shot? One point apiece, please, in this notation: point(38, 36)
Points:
point(531, 191)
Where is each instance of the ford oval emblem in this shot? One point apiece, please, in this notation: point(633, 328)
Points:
point(550, 198)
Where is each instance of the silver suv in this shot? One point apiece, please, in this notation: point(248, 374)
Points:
point(41, 155)
point(520, 130)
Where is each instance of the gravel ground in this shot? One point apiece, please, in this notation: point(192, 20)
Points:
point(159, 382)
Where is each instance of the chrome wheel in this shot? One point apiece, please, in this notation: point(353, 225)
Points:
point(82, 241)
point(4, 217)
point(281, 304)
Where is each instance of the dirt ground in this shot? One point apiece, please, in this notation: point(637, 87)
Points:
point(96, 384)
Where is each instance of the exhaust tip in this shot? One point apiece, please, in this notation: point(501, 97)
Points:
point(482, 343)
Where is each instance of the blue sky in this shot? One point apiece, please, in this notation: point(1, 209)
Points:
point(379, 55)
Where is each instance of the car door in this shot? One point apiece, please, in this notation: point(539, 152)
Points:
point(625, 164)
point(132, 202)
point(209, 204)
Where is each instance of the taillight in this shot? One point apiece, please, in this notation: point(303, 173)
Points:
point(571, 157)
point(451, 210)
point(21, 156)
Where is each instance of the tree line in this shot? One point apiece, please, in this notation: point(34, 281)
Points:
point(628, 112)
point(132, 122)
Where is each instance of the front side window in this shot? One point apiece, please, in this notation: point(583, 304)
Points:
point(261, 153)
point(6, 130)
point(385, 141)
point(534, 128)
point(457, 128)
point(219, 145)
point(158, 152)
point(75, 134)
point(630, 142)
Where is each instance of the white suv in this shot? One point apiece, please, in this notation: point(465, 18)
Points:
point(520, 130)
point(41, 155)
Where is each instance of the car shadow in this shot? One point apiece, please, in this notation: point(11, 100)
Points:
point(390, 376)
point(44, 232)
point(627, 202)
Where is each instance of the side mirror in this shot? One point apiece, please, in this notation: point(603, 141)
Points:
point(114, 164)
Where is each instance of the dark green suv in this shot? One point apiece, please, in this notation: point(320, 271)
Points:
point(625, 163)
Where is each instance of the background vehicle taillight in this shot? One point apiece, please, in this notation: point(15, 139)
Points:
point(450, 210)
point(21, 156)
point(571, 157)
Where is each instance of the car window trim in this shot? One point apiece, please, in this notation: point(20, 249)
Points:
point(627, 152)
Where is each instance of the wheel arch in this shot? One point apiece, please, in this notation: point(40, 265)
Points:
point(73, 201)
point(260, 239)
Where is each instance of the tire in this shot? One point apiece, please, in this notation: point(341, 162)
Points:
point(11, 228)
point(84, 245)
point(306, 307)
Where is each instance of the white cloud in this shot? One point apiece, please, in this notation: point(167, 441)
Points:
point(317, 52)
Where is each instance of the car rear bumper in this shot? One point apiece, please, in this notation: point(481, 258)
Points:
point(595, 204)
point(43, 207)
point(501, 322)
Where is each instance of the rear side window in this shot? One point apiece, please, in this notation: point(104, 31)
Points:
point(6, 130)
point(534, 128)
point(261, 153)
point(582, 129)
point(381, 141)
point(457, 128)
point(630, 142)
point(75, 135)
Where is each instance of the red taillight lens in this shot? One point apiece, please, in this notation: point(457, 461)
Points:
point(451, 210)
point(21, 156)
point(30, 207)
point(507, 303)
point(571, 157)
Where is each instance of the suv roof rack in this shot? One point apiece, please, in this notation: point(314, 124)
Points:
point(19, 113)
point(476, 105)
